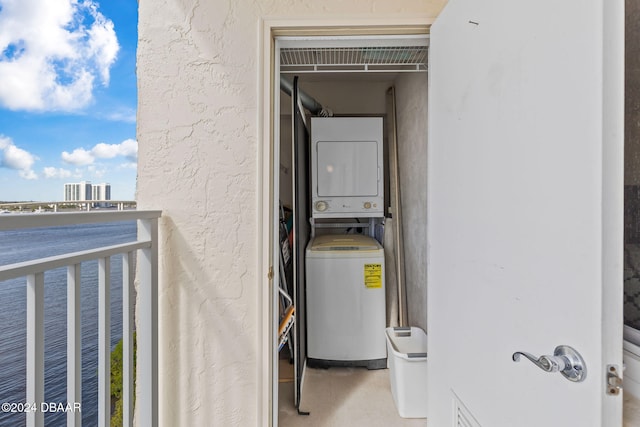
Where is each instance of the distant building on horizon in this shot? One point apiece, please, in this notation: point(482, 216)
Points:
point(101, 191)
point(84, 191)
point(77, 192)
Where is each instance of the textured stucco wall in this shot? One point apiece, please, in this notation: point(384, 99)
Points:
point(198, 81)
point(411, 113)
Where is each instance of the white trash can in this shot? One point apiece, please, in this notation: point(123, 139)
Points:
point(407, 356)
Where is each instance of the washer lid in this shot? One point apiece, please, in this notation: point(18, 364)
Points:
point(344, 242)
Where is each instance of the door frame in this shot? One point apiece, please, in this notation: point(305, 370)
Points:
point(613, 52)
point(268, 166)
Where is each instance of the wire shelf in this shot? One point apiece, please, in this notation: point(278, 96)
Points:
point(370, 58)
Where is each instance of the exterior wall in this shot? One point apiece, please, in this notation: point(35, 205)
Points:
point(411, 113)
point(199, 161)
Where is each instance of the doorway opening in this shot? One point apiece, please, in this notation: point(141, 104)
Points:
point(381, 76)
point(349, 78)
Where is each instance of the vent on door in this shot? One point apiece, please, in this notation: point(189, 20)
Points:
point(354, 54)
point(463, 417)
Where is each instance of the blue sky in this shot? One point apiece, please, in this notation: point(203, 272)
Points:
point(67, 96)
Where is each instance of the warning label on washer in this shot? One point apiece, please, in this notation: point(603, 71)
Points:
point(373, 275)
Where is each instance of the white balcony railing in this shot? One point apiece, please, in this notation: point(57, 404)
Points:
point(146, 247)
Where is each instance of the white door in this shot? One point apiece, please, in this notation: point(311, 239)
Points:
point(524, 210)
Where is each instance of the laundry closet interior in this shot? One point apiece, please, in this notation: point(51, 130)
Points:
point(345, 199)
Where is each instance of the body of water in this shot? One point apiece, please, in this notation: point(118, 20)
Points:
point(22, 245)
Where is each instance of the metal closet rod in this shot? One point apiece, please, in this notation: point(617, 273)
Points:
point(308, 101)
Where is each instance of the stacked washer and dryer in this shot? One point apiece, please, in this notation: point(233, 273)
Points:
point(345, 280)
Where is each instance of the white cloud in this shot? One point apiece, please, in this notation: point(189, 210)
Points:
point(129, 165)
point(52, 52)
point(13, 157)
point(96, 172)
point(52, 172)
point(28, 174)
point(81, 157)
point(127, 115)
point(103, 44)
point(127, 148)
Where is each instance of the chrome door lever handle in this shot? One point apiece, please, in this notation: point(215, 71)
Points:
point(565, 360)
point(546, 363)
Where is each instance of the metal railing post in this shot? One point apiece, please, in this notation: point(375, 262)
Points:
point(104, 342)
point(147, 336)
point(35, 348)
point(74, 345)
point(127, 338)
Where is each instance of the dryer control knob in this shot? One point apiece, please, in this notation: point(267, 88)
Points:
point(321, 206)
point(367, 205)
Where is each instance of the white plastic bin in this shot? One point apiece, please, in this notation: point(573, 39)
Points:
point(407, 355)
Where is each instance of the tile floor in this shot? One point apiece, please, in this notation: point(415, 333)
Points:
point(337, 396)
point(631, 411)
